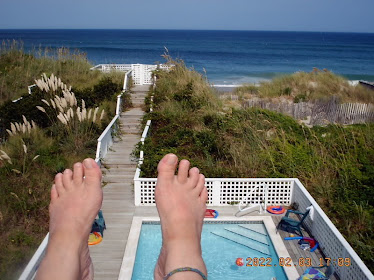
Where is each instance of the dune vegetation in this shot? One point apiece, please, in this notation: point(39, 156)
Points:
point(303, 86)
point(334, 162)
point(44, 133)
point(19, 69)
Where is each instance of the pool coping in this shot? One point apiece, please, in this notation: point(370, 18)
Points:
point(128, 260)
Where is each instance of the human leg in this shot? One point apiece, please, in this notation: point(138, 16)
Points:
point(76, 198)
point(181, 204)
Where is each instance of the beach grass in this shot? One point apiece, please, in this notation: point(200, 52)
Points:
point(19, 69)
point(333, 162)
point(308, 86)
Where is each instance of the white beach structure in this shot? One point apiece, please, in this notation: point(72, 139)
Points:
point(141, 73)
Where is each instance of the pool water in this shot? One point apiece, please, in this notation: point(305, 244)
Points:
point(222, 243)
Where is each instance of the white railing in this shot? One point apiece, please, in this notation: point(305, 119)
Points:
point(103, 144)
point(106, 138)
point(33, 265)
point(111, 67)
point(226, 191)
point(331, 241)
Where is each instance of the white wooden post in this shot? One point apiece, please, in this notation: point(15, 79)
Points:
point(216, 195)
point(137, 192)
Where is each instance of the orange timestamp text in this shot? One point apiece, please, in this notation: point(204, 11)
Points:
point(302, 262)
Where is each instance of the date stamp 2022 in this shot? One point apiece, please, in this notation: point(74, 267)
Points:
point(287, 262)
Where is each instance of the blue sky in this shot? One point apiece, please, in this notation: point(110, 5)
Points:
point(289, 15)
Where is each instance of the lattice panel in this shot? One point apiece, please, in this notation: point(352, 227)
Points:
point(253, 192)
point(230, 191)
point(147, 192)
point(327, 238)
point(279, 192)
point(209, 186)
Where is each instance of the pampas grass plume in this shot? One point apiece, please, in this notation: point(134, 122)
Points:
point(89, 114)
point(64, 103)
point(13, 128)
point(53, 104)
point(41, 108)
point(61, 118)
point(94, 115)
point(84, 114)
point(6, 157)
point(79, 115)
point(102, 114)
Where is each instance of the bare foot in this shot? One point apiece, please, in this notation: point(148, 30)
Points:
point(181, 204)
point(76, 198)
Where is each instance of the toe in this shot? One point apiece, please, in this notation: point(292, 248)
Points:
point(194, 176)
point(67, 179)
point(166, 167)
point(204, 195)
point(183, 168)
point(200, 184)
point(54, 193)
point(59, 185)
point(92, 173)
point(78, 174)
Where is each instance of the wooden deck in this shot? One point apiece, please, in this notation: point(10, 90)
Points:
point(118, 204)
point(297, 254)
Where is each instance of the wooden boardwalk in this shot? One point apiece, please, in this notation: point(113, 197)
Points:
point(118, 205)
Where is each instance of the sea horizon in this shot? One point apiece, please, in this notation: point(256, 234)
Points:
point(227, 57)
point(176, 29)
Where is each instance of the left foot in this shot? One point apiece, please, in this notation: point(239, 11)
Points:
point(76, 199)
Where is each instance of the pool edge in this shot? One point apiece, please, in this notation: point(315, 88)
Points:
point(128, 260)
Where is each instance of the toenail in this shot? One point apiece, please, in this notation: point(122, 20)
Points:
point(87, 163)
point(171, 159)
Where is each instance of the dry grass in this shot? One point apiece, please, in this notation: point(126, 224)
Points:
point(19, 69)
point(304, 86)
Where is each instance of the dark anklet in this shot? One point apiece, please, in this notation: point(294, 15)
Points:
point(185, 269)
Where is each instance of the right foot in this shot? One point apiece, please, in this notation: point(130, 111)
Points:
point(181, 204)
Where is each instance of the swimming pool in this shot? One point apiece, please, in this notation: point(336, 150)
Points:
point(222, 243)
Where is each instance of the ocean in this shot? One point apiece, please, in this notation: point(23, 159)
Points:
point(227, 57)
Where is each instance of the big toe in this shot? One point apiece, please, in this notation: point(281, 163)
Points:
point(166, 167)
point(92, 172)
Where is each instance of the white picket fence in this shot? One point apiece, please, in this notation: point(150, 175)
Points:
point(103, 143)
point(319, 112)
